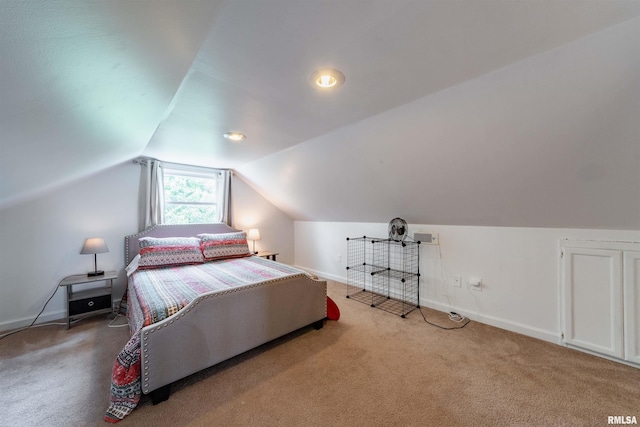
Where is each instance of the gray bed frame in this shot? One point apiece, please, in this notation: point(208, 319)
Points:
point(220, 325)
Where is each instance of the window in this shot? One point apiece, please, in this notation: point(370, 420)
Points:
point(193, 196)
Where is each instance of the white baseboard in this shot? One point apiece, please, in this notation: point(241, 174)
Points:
point(497, 322)
point(322, 274)
point(550, 336)
point(58, 316)
point(604, 356)
point(54, 316)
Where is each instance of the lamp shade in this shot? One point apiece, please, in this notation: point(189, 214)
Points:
point(94, 245)
point(253, 234)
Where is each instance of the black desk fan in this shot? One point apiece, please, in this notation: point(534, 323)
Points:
point(398, 229)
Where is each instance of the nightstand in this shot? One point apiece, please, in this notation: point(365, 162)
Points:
point(268, 255)
point(87, 302)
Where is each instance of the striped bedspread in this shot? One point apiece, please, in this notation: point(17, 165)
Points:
point(154, 295)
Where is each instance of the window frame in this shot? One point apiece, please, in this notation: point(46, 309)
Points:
point(195, 172)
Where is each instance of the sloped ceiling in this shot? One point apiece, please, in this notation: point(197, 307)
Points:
point(552, 141)
point(453, 112)
point(84, 84)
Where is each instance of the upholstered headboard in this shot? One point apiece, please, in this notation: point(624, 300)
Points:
point(132, 246)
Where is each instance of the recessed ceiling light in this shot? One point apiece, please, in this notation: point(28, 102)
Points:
point(327, 78)
point(234, 136)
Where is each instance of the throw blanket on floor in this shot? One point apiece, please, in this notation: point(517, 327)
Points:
point(154, 295)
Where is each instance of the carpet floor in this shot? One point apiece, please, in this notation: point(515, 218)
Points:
point(370, 368)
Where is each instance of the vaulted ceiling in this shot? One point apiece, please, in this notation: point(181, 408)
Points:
point(478, 112)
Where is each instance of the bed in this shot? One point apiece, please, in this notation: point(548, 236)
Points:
point(240, 303)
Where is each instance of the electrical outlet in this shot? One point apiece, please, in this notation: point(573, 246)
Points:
point(457, 281)
point(475, 283)
point(339, 258)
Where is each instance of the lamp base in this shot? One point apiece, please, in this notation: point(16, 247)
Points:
point(96, 273)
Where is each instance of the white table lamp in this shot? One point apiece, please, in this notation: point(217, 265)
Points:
point(94, 245)
point(253, 234)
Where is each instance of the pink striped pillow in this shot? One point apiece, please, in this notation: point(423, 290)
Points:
point(169, 251)
point(225, 245)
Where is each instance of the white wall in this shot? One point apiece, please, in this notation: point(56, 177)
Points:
point(518, 267)
point(251, 210)
point(40, 240)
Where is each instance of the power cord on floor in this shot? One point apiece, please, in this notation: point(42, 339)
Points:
point(455, 317)
point(73, 322)
point(32, 326)
point(34, 320)
point(111, 325)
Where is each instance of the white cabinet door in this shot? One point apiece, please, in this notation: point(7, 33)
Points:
point(592, 291)
point(632, 306)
